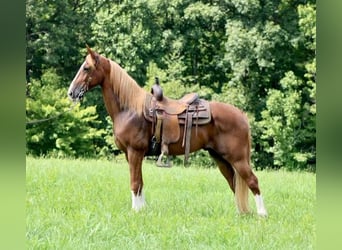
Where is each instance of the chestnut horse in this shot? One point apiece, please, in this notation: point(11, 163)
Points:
point(226, 137)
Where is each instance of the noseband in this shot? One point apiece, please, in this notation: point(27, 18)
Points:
point(85, 87)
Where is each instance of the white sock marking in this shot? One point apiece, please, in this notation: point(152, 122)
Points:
point(138, 201)
point(260, 205)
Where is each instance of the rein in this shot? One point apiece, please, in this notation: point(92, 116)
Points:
point(53, 117)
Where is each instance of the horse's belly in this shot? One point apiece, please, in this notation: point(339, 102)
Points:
point(197, 142)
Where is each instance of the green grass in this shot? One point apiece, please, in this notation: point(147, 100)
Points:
point(86, 204)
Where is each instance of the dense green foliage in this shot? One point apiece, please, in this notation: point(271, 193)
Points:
point(86, 204)
point(257, 55)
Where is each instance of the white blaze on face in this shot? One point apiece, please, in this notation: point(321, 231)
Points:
point(71, 87)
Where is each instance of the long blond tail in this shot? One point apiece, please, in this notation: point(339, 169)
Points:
point(241, 194)
point(241, 187)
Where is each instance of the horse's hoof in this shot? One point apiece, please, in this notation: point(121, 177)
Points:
point(263, 214)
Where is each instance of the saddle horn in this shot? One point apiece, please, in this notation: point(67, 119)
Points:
point(156, 90)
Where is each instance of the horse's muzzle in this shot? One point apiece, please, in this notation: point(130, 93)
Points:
point(76, 94)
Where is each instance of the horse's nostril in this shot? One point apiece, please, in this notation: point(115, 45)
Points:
point(70, 93)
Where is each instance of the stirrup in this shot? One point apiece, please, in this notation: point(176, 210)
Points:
point(164, 165)
point(160, 164)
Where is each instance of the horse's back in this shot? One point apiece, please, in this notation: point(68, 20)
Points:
point(227, 117)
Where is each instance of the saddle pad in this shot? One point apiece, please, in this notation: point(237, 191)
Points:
point(201, 113)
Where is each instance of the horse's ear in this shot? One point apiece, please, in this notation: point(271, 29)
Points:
point(92, 53)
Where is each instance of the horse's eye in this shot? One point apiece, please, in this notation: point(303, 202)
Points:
point(86, 68)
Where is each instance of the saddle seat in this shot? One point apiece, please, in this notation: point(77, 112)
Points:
point(176, 107)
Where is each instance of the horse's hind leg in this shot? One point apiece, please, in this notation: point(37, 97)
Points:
point(225, 168)
point(238, 183)
point(245, 174)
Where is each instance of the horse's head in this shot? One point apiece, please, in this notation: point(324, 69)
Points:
point(90, 74)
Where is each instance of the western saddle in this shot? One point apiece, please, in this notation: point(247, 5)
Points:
point(168, 115)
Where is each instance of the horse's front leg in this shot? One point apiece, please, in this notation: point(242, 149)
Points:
point(135, 159)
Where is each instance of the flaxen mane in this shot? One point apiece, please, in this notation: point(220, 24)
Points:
point(131, 95)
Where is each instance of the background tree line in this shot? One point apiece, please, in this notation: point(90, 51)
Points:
point(256, 54)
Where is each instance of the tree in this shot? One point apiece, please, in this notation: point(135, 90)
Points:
point(55, 32)
point(287, 125)
point(258, 55)
point(288, 122)
point(128, 33)
point(72, 133)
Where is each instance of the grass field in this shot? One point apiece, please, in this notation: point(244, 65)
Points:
point(86, 204)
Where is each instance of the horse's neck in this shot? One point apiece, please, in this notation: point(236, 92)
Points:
point(111, 101)
point(121, 92)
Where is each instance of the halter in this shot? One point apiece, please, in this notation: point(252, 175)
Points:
point(88, 81)
point(90, 72)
